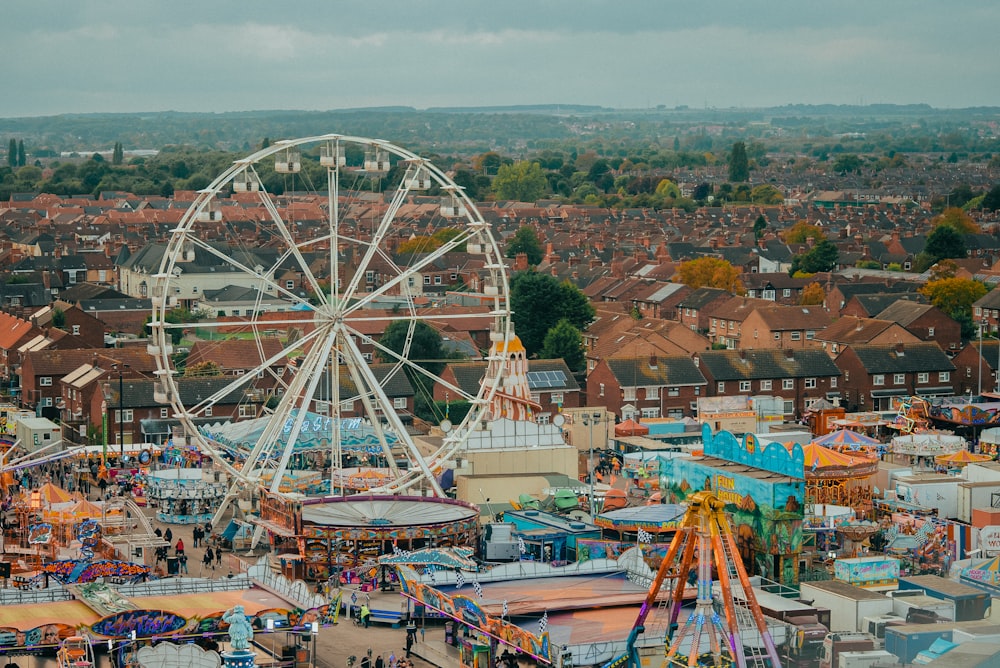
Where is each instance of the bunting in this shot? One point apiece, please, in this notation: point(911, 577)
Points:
point(543, 623)
point(505, 610)
point(478, 587)
point(644, 536)
point(459, 579)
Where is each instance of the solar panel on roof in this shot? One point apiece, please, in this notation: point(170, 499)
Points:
point(546, 379)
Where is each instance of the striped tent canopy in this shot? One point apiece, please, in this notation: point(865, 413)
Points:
point(845, 438)
point(631, 428)
point(961, 458)
point(822, 462)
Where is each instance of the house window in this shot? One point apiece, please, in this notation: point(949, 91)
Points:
point(164, 413)
point(788, 407)
point(556, 398)
point(124, 416)
point(600, 389)
point(652, 392)
point(744, 386)
point(45, 381)
point(673, 391)
point(369, 276)
point(628, 393)
point(650, 412)
point(810, 383)
point(810, 335)
point(290, 285)
point(878, 379)
point(930, 331)
point(542, 418)
point(777, 336)
point(346, 406)
point(788, 383)
point(833, 382)
point(454, 277)
point(721, 387)
point(437, 280)
point(247, 411)
point(399, 403)
point(923, 377)
point(765, 385)
point(898, 378)
point(76, 330)
point(46, 401)
point(796, 336)
point(208, 411)
point(427, 280)
point(367, 356)
point(787, 292)
point(944, 376)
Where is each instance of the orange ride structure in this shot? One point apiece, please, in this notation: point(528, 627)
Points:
point(839, 478)
point(729, 632)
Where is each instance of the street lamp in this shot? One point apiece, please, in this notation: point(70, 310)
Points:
point(121, 410)
point(982, 324)
point(589, 420)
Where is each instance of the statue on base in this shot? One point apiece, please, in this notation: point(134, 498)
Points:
point(240, 630)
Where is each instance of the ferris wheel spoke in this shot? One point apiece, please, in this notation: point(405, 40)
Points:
point(397, 281)
point(265, 280)
point(293, 247)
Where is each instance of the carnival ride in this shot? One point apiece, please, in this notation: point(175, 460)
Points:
point(335, 206)
point(75, 652)
point(737, 633)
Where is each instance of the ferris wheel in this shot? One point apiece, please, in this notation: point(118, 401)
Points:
point(307, 230)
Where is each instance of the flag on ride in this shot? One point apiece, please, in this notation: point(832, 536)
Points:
point(543, 623)
point(505, 611)
point(430, 573)
point(459, 579)
point(644, 536)
point(478, 587)
point(520, 545)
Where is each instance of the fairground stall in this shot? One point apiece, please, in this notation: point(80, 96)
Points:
point(763, 487)
point(185, 496)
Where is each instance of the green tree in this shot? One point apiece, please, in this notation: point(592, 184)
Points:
point(991, 202)
point(766, 194)
point(522, 182)
point(958, 219)
point(118, 156)
point(540, 301)
point(945, 242)
point(58, 318)
point(821, 257)
point(800, 231)
point(525, 240)
point(955, 297)
point(12, 153)
point(759, 226)
point(425, 347)
point(739, 164)
point(565, 342)
point(847, 162)
point(21, 157)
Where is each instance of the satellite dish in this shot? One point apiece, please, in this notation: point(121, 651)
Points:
point(559, 420)
point(445, 425)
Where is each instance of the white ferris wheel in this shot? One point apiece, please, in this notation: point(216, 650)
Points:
point(310, 224)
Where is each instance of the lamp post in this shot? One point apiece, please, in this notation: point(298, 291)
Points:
point(121, 411)
point(982, 324)
point(590, 419)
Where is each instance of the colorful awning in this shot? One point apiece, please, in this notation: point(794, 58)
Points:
point(961, 458)
point(821, 462)
point(631, 428)
point(845, 437)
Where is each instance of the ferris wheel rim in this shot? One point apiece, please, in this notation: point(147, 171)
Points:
point(335, 305)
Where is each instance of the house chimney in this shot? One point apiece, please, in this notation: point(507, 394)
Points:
point(520, 262)
point(789, 354)
point(899, 349)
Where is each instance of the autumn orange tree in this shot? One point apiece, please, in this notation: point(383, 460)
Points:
point(812, 295)
point(800, 231)
point(957, 219)
point(710, 272)
point(955, 297)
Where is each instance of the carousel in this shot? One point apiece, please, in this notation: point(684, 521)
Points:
point(838, 478)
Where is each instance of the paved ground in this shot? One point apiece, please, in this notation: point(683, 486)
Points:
point(335, 643)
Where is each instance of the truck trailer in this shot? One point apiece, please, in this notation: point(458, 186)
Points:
point(970, 603)
point(848, 604)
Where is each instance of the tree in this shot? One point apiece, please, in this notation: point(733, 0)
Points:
point(202, 369)
point(522, 182)
point(800, 231)
point(58, 318)
point(945, 242)
point(525, 240)
point(821, 257)
point(812, 295)
point(991, 201)
point(118, 155)
point(540, 301)
point(21, 157)
point(759, 226)
point(958, 219)
point(488, 163)
point(425, 351)
point(766, 194)
point(710, 272)
point(955, 297)
point(847, 162)
point(565, 342)
point(944, 269)
point(12, 153)
point(739, 164)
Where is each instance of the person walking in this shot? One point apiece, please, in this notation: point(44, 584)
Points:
point(379, 663)
point(196, 535)
point(218, 556)
point(365, 615)
point(183, 563)
point(168, 535)
point(207, 560)
point(179, 548)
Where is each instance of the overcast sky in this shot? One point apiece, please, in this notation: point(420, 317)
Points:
point(66, 56)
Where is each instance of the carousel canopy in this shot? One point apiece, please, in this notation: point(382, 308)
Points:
point(961, 458)
point(821, 462)
point(449, 557)
point(315, 434)
point(631, 428)
point(845, 438)
point(50, 494)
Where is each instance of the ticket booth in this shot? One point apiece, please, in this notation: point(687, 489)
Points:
point(474, 653)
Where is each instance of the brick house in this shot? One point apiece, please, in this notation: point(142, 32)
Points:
point(874, 375)
point(692, 309)
point(926, 322)
point(42, 370)
point(779, 326)
point(987, 308)
point(651, 386)
point(970, 366)
point(851, 331)
point(799, 377)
